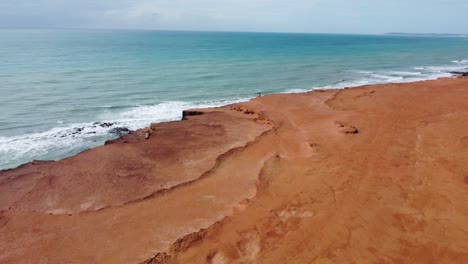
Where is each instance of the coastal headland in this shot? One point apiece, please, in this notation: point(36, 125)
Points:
point(372, 174)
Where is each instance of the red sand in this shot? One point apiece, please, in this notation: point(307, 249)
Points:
point(375, 174)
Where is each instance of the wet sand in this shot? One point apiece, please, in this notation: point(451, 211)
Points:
point(373, 174)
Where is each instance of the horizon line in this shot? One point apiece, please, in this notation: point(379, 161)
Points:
point(236, 31)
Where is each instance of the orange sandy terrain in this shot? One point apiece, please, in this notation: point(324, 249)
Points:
point(375, 174)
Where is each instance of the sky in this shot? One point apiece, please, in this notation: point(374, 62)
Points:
point(314, 16)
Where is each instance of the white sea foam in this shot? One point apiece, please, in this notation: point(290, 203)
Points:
point(421, 73)
point(461, 61)
point(295, 91)
point(68, 139)
point(405, 73)
point(57, 139)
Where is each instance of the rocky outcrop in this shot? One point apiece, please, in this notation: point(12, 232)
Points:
point(346, 128)
point(460, 73)
point(187, 113)
point(120, 131)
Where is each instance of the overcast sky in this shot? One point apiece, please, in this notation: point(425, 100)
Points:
point(321, 16)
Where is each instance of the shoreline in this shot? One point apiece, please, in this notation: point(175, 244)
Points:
point(372, 172)
point(117, 129)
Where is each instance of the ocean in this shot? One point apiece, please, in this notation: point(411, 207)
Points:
point(64, 91)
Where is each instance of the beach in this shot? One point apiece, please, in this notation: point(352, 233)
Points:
point(370, 174)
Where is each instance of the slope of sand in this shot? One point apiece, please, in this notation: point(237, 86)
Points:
point(375, 174)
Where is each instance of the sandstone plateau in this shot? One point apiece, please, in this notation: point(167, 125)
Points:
point(374, 174)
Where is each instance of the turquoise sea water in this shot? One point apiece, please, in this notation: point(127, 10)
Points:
point(56, 84)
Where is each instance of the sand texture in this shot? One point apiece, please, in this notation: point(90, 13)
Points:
point(374, 174)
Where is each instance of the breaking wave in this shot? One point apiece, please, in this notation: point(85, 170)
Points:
point(69, 139)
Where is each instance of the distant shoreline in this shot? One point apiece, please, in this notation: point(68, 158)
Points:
point(427, 34)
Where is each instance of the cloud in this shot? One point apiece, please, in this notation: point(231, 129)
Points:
point(207, 14)
point(358, 16)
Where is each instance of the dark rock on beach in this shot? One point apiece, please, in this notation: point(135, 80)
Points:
point(459, 73)
point(104, 124)
point(120, 131)
point(77, 130)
